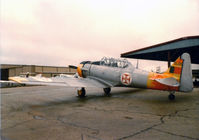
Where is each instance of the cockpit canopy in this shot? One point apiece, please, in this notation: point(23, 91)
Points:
point(112, 62)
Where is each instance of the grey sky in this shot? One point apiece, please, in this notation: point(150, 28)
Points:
point(49, 32)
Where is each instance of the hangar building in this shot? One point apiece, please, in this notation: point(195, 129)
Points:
point(8, 70)
point(169, 51)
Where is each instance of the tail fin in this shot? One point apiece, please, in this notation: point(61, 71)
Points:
point(186, 82)
point(182, 72)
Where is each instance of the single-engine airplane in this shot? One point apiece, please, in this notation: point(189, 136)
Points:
point(110, 72)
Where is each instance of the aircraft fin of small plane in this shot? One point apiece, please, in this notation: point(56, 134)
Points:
point(182, 72)
point(186, 82)
point(175, 69)
point(177, 77)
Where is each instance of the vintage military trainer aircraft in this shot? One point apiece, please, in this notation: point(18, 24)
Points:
point(110, 72)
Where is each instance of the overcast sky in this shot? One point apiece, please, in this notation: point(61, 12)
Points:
point(63, 32)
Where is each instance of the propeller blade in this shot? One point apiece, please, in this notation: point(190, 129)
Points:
point(72, 66)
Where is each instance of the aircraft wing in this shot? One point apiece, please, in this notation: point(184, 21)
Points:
point(168, 81)
point(2, 81)
point(62, 81)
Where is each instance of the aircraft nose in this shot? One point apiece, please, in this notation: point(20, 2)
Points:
point(80, 68)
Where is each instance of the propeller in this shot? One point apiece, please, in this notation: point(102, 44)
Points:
point(72, 66)
point(80, 68)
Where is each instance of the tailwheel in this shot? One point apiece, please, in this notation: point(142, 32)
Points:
point(171, 96)
point(81, 92)
point(107, 91)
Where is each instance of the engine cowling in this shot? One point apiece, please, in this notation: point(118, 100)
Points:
point(81, 70)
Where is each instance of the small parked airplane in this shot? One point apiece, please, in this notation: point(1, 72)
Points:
point(110, 72)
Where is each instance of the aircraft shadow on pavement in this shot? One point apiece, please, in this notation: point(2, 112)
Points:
point(125, 93)
point(160, 98)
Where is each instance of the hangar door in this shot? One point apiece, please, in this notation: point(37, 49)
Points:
point(4, 74)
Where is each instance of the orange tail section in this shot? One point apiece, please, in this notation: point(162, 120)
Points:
point(175, 70)
point(169, 80)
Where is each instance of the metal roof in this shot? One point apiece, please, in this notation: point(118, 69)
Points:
point(173, 48)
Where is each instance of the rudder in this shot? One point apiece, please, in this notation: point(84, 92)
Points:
point(186, 82)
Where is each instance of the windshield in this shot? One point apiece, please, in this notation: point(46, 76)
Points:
point(121, 63)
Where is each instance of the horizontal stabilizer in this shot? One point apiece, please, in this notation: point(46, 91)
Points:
point(168, 81)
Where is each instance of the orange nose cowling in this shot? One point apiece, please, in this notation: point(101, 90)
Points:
point(79, 71)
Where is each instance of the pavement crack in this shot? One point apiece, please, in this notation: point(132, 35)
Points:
point(177, 111)
point(95, 131)
point(139, 132)
point(174, 114)
point(175, 134)
point(162, 121)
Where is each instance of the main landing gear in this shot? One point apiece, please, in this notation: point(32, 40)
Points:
point(81, 92)
point(107, 91)
point(171, 95)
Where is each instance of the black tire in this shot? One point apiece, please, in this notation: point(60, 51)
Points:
point(81, 93)
point(171, 97)
point(107, 91)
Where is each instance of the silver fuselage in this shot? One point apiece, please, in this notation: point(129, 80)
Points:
point(137, 78)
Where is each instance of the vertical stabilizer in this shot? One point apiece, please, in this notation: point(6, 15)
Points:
point(186, 83)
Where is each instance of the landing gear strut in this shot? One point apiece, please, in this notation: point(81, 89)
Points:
point(81, 92)
point(171, 96)
point(107, 91)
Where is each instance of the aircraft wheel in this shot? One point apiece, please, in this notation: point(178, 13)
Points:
point(107, 91)
point(81, 92)
point(171, 97)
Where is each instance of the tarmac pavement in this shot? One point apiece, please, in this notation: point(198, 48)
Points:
point(56, 113)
